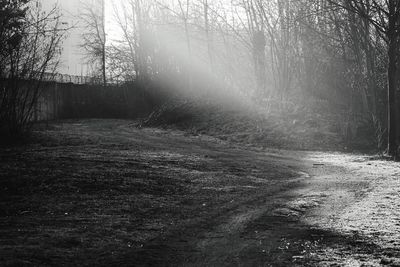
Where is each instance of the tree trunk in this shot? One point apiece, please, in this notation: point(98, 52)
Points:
point(103, 59)
point(392, 85)
point(207, 30)
point(392, 80)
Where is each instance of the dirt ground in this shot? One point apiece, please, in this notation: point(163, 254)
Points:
point(105, 193)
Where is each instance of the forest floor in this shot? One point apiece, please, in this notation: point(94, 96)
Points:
point(104, 192)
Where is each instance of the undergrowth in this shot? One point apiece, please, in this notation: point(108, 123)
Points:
point(289, 128)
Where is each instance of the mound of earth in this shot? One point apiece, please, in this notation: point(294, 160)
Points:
point(294, 129)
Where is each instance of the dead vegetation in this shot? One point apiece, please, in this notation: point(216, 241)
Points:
point(293, 127)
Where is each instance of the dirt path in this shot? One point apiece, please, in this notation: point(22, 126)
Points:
point(103, 192)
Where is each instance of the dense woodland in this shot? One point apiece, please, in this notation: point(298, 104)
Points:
point(337, 59)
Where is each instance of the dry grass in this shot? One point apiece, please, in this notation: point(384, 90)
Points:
point(294, 128)
point(96, 192)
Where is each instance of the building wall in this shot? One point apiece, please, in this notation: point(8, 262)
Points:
point(73, 58)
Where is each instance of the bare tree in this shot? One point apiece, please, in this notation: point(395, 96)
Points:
point(94, 36)
point(31, 52)
point(384, 16)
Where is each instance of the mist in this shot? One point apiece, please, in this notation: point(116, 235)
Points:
point(274, 57)
point(186, 53)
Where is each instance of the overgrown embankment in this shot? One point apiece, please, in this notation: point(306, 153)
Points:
point(290, 128)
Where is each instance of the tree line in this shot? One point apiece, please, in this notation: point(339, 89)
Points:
point(341, 53)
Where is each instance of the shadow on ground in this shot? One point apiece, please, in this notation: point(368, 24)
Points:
point(101, 192)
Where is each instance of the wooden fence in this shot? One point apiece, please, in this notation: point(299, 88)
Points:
point(68, 100)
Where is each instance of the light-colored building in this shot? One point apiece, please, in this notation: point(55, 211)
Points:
point(73, 56)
